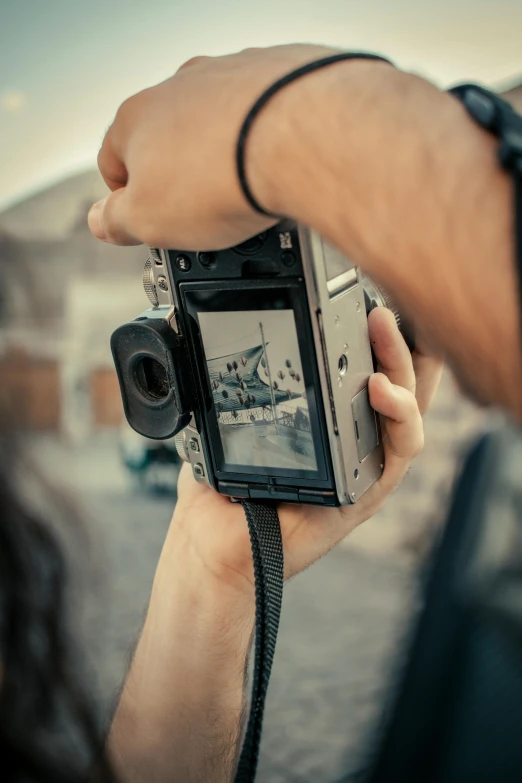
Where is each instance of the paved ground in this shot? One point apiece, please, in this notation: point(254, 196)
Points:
point(343, 619)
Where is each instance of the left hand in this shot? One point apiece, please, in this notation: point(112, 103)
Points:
point(214, 531)
point(180, 712)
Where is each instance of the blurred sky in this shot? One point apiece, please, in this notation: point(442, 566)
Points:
point(66, 65)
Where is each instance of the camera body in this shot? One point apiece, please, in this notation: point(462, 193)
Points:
point(257, 358)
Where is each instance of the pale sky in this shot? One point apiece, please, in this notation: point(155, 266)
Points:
point(66, 65)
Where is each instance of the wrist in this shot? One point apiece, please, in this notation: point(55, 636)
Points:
point(185, 688)
point(190, 603)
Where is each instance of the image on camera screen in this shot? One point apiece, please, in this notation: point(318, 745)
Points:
point(259, 393)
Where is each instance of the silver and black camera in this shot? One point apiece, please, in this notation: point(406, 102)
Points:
point(257, 358)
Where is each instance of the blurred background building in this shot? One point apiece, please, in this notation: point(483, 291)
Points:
point(63, 293)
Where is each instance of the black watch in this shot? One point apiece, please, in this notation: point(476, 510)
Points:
point(496, 115)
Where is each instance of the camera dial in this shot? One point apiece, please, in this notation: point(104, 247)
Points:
point(149, 285)
point(376, 296)
point(180, 442)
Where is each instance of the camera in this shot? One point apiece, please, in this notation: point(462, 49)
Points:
point(257, 359)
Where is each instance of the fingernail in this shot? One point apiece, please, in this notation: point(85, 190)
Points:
point(94, 219)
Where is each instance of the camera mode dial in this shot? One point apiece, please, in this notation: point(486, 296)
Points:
point(180, 442)
point(149, 285)
point(377, 296)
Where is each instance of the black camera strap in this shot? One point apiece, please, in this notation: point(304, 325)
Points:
point(267, 554)
point(496, 115)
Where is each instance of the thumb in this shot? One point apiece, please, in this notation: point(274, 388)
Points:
point(109, 219)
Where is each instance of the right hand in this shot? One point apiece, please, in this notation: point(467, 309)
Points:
point(169, 155)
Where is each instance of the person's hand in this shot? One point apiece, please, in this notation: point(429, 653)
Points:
point(169, 155)
point(214, 530)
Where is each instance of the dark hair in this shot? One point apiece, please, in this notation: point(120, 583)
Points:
point(48, 733)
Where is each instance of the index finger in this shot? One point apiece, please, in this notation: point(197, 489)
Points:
point(391, 351)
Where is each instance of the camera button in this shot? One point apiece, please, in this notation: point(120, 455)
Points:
point(288, 258)
point(183, 263)
point(198, 469)
point(206, 259)
point(194, 445)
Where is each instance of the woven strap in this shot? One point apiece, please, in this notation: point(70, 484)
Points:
point(267, 553)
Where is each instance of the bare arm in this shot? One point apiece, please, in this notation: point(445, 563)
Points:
point(181, 711)
point(395, 173)
point(384, 164)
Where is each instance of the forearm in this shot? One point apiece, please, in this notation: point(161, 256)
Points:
point(394, 172)
point(180, 713)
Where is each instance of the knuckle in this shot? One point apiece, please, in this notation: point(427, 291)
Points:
point(127, 110)
point(193, 61)
point(124, 109)
point(105, 146)
point(100, 158)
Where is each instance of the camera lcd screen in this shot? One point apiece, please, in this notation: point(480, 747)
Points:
point(262, 395)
